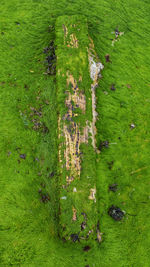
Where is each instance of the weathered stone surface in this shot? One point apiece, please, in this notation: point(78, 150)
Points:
point(78, 70)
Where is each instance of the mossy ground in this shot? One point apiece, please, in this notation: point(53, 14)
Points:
point(76, 209)
point(28, 228)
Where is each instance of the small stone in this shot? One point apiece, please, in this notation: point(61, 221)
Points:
point(83, 225)
point(103, 144)
point(46, 49)
point(51, 174)
point(105, 92)
point(132, 125)
point(45, 129)
point(112, 87)
point(113, 187)
point(74, 237)
point(46, 102)
point(99, 236)
point(117, 32)
point(86, 248)
point(116, 213)
point(26, 87)
point(22, 156)
point(99, 75)
point(63, 197)
point(45, 198)
point(17, 23)
point(107, 57)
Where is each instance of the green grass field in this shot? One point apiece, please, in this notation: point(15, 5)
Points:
point(28, 134)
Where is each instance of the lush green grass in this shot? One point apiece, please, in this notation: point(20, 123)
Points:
point(28, 228)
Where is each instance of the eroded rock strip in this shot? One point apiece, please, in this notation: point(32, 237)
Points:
point(77, 77)
point(95, 67)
